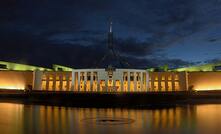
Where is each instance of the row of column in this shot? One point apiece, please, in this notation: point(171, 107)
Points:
point(49, 81)
point(167, 81)
point(63, 81)
point(98, 81)
point(81, 79)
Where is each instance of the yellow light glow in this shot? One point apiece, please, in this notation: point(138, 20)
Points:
point(13, 87)
point(205, 87)
point(204, 81)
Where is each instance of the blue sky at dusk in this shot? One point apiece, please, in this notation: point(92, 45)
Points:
point(148, 33)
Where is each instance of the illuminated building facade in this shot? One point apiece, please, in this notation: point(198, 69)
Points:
point(105, 80)
point(168, 81)
point(110, 80)
point(60, 78)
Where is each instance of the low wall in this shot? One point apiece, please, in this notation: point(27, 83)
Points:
point(204, 80)
point(16, 79)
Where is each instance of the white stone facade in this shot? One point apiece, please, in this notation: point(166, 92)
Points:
point(104, 80)
point(110, 80)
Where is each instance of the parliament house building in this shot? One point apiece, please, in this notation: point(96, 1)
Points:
point(109, 79)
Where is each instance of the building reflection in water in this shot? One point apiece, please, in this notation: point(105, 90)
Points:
point(11, 119)
point(47, 119)
point(36, 119)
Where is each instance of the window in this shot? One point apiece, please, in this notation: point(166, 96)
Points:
point(163, 87)
point(50, 88)
point(176, 77)
point(64, 77)
point(88, 76)
point(150, 88)
point(57, 77)
point(169, 88)
point(163, 78)
point(177, 86)
point(43, 77)
point(57, 87)
point(131, 78)
point(43, 85)
point(169, 77)
point(82, 78)
point(155, 86)
point(50, 77)
point(64, 85)
point(95, 76)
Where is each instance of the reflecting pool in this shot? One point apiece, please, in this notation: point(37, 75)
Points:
point(38, 119)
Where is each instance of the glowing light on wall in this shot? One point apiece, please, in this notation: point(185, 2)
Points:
point(202, 81)
point(206, 89)
point(18, 80)
point(18, 84)
point(207, 86)
point(13, 87)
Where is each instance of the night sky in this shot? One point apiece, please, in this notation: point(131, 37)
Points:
point(148, 33)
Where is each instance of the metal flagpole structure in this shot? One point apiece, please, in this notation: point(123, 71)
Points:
point(111, 50)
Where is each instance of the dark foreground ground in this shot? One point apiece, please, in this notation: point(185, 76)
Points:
point(94, 99)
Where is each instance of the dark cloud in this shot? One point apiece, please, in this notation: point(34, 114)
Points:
point(73, 32)
point(215, 60)
point(76, 55)
point(133, 47)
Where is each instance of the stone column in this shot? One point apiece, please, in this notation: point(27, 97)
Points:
point(173, 82)
point(135, 81)
point(68, 82)
point(114, 85)
point(54, 81)
point(91, 81)
point(141, 81)
point(106, 85)
point(128, 82)
point(159, 82)
point(47, 81)
point(145, 81)
point(85, 81)
point(61, 82)
point(186, 81)
point(97, 82)
point(152, 81)
point(122, 82)
point(37, 80)
point(79, 81)
point(73, 84)
point(166, 82)
point(98, 85)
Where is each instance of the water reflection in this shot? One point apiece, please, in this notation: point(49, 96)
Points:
point(11, 119)
point(26, 119)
